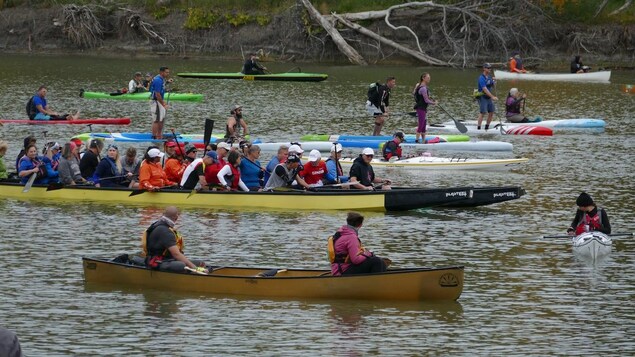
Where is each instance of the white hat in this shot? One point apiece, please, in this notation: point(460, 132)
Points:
point(152, 153)
point(336, 147)
point(368, 151)
point(296, 149)
point(224, 145)
point(314, 155)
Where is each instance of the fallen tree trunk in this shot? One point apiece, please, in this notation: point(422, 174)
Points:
point(352, 55)
point(418, 55)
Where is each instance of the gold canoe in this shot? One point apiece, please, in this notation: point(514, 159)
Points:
point(414, 284)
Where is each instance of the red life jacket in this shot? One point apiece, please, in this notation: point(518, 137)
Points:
point(594, 223)
point(234, 178)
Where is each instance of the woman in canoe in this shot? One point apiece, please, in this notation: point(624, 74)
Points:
point(229, 175)
point(512, 106)
point(589, 217)
point(346, 253)
point(151, 174)
point(251, 170)
point(68, 168)
point(110, 172)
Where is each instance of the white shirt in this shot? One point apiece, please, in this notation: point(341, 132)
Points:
point(226, 170)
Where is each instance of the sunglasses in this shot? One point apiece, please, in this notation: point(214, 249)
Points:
point(369, 155)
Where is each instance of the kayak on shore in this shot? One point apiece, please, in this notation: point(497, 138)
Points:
point(171, 96)
point(103, 121)
point(289, 76)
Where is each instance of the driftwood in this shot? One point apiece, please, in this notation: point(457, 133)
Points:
point(352, 55)
point(418, 55)
point(82, 26)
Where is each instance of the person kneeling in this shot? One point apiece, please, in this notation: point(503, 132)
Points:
point(346, 253)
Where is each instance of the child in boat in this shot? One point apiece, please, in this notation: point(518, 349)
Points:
point(589, 217)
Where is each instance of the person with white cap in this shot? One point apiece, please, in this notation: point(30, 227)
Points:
point(485, 97)
point(222, 149)
point(314, 172)
point(512, 106)
point(285, 174)
point(334, 171)
point(362, 172)
point(589, 217)
point(235, 122)
point(151, 174)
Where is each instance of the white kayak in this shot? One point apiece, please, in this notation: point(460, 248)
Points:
point(592, 245)
point(507, 130)
point(444, 163)
point(325, 146)
point(556, 125)
point(601, 76)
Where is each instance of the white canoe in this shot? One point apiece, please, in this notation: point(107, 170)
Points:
point(602, 76)
point(592, 245)
point(325, 146)
point(444, 163)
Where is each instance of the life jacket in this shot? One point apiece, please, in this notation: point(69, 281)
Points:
point(234, 178)
point(420, 102)
point(513, 105)
point(31, 110)
point(594, 223)
point(154, 261)
point(41, 173)
point(330, 247)
point(189, 169)
point(390, 149)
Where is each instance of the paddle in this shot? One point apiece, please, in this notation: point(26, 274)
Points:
point(460, 126)
point(340, 184)
point(270, 273)
point(570, 236)
point(29, 183)
point(209, 126)
point(197, 271)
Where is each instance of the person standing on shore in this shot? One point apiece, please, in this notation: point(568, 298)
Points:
point(158, 105)
point(378, 102)
point(422, 100)
point(485, 97)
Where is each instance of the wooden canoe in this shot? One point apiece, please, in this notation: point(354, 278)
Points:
point(413, 284)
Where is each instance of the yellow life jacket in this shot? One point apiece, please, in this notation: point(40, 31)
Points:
point(144, 241)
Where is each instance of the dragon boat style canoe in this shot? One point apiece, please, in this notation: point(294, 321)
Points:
point(443, 163)
point(411, 284)
point(181, 97)
point(289, 76)
point(326, 198)
point(601, 76)
point(103, 121)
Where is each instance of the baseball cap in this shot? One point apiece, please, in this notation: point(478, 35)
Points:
point(223, 145)
point(296, 149)
point(244, 143)
point(236, 106)
point(368, 151)
point(77, 142)
point(336, 147)
point(293, 158)
point(487, 65)
point(212, 154)
point(314, 155)
point(189, 149)
point(153, 153)
point(400, 135)
point(55, 146)
point(170, 144)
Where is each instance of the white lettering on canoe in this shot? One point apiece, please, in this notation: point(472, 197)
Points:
point(457, 193)
point(505, 194)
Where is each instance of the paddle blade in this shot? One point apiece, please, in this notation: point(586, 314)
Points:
point(137, 192)
point(209, 126)
point(460, 126)
point(29, 183)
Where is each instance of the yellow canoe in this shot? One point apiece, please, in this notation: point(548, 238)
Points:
point(415, 284)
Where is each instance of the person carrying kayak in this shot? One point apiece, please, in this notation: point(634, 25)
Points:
point(589, 217)
point(392, 148)
point(37, 108)
point(251, 65)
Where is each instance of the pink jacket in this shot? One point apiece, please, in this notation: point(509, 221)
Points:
point(348, 243)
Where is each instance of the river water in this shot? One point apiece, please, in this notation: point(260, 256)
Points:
point(522, 295)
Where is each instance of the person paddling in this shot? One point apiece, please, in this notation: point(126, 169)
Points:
point(422, 100)
point(251, 65)
point(485, 96)
point(589, 217)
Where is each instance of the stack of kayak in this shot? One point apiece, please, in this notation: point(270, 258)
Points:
point(170, 96)
point(289, 76)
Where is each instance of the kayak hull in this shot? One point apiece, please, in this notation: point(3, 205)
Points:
point(102, 121)
point(443, 163)
point(601, 76)
point(294, 76)
point(181, 97)
point(592, 245)
point(382, 138)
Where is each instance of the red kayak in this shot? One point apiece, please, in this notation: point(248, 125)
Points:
point(529, 130)
point(103, 121)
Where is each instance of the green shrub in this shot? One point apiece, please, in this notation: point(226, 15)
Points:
point(198, 19)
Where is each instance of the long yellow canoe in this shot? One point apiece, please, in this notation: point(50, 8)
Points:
point(414, 284)
point(334, 199)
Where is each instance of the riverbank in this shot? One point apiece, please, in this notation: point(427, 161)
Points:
point(284, 36)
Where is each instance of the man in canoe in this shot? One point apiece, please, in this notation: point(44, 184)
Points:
point(281, 157)
point(577, 66)
point(378, 102)
point(235, 122)
point(37, 108)
point(163, 246)
point(346, 253)
point(90, 160)
point(284, 174)
point(314, 172)
point(194, 175)
point(516, 63)
point(485, 97)
point(158, 105)
point(362, 173)
point(136, 84)
point(589, 217)
point(392, 148)
point(251, 65)
point(334, 171)
point(3, 168)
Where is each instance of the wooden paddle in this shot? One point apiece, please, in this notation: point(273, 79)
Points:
point(460, 126)
point(29, 183)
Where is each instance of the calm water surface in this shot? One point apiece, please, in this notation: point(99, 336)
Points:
point(522, 296)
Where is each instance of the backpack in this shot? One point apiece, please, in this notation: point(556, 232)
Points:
point(330, 248)
point(31, 110)
point(373, 92)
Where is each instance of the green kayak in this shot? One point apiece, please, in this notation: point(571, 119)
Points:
point(290, 76)
point(183, 97)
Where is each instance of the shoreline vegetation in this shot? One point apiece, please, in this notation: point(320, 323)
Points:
point(450, 33)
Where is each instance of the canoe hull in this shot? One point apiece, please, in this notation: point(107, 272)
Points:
point(293, 76)
point(102, 121)
point(442, 163)
point(592, 245)
point(420, 284)
point(601, 76)
point(181, 97)
point(398, 199)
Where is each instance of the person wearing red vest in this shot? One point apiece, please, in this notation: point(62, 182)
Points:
point(589, 217)
point(229, 175)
